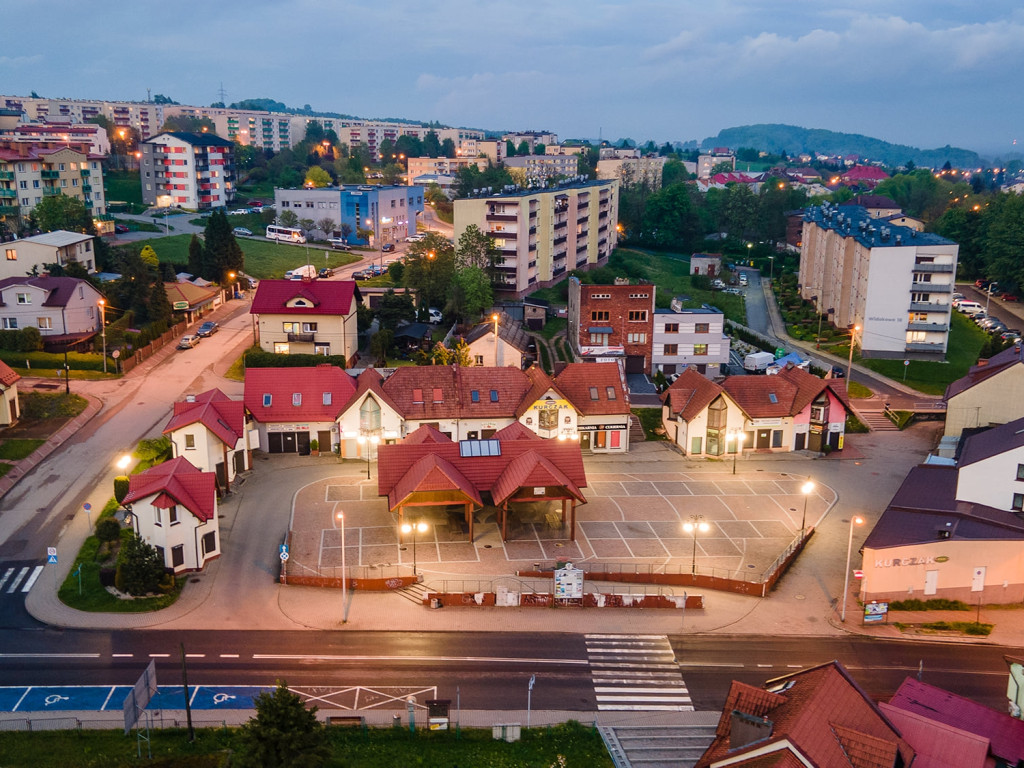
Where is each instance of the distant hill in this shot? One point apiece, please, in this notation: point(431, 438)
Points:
point(793, 140)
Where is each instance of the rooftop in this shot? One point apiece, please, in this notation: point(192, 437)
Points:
point(855, 221)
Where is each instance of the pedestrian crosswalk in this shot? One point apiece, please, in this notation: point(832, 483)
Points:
point(18, 578)
point(636, 673)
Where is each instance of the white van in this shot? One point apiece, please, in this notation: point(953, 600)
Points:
point(970, 307)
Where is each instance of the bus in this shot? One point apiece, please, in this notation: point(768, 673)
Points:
point(285, 233)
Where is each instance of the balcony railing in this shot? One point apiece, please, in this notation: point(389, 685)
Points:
point(309, 338)
point(502, 217)
point(948, 268)
point(502, 233)
point(931, 327)
point(925, 306)
point(13, 193)
point(560, 240)
point(7, 175)
point(931, 287)
point(50, 174)
point(920, 346)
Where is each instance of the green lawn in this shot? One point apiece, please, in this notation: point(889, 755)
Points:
point(650, 420)
point(15, 450)
point(553, 326)
point(123, 186)
point(5, 468)
point(571, 744)
point(264, 259)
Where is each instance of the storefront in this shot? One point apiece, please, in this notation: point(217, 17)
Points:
point(604, 437)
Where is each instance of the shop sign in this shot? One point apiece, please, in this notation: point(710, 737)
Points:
point(766, 422)
point(875, 612)
point(179, 305)
point(598, 427)
point(897, 562)
point(287, 427)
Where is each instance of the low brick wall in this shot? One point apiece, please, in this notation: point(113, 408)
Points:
point(363, 585)
point(545, 600)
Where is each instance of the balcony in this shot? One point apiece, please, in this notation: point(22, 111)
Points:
point(502, 217)
point(921, 346)
point(12, 193)
point(87, 188)
point(533, 230)
point(85, 173)
point(308, 338)
point(8, 210)
point(6, 175)
point(946, 268)
point(560, 240)
point(502, 233)
point(582, 263)
point(931, 287)
point(50, 192)
point(50, 174)
point(929, 327)
point(603, 215)
point(558, 271)
point(582, 219)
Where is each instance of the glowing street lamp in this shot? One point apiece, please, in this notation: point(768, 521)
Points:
point(344, 573)
point(414, 528)
point(366, 442)
point(806, 489)
point(855, 520)
point(103, 331)
point(692, 525)
point(739, 437)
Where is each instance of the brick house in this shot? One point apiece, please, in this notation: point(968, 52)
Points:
point(612, 322)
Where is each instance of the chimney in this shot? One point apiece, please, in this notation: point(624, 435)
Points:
point(746, 729)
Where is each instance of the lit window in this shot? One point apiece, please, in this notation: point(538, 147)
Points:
point(610, 391)
point(700, 349)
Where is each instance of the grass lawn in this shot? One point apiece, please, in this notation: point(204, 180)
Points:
point(858, 391)
point(15, 450)
point(650, 420)
point(553, 326)
point(571, 744)
point(5, 468)
point(264, 259)
point(237, 370)
point(123, 186)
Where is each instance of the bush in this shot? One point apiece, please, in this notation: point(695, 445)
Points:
point(257, 358)
point(121, 488)
point(140, 570)
point(936, 604)
point(108, 529)
point(43, 405)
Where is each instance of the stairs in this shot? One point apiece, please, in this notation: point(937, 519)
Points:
point(877, 421)
point(414, 593)
point(657, 746)
point(636, 432)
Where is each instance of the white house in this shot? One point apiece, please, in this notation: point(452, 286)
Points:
point(174, 508)
point(58, 247)
point(66, 310)
point(508, 347)
point(212, 432)
point(9, 406)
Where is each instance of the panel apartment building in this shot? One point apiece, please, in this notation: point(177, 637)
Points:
point(390, 212)
point(145, 117)
point(31, 170)
point(894, 282)
point(544, 233)
point(190, 170)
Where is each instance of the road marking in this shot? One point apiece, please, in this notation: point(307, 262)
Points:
point(122, 655)
point(636, 675)
point(159, 655)
point(195, 655)
point(764, 666)
point(701, 664)
point(49, 655)
point(17, 579)
point(482, 659)
point(229, 655)
point(32, 579)
point(15, 707)
point(7, 575)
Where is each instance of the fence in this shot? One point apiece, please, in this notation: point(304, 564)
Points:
point(142, 354)
point(33, 724)
point(369, 578)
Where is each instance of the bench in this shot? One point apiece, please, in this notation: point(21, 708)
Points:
point(347, 721)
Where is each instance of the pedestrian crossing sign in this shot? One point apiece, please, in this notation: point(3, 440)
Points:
point(51, 558)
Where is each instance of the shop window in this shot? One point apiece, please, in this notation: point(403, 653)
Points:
point(600, 439)
point(616, 436)
point(776, 438)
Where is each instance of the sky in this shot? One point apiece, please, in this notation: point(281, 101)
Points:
point(925, 73)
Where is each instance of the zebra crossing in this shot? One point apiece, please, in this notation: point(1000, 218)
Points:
point(18, 578)
point(636, 673)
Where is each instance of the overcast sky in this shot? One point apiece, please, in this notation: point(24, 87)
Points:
point(921, 72)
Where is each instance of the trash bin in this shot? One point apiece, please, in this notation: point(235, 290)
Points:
point(435, 602)
point(396, 721)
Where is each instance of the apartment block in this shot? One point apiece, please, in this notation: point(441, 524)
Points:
point(612, 322)
point(190, 170)
point(694, 337)
point(544, 233)
point(442, 166)
point(894, 282)
point(33, 169)
point(533, 168)
point(532, 138)
point(633, 170)
point(492, 149)
point(145, 117)
point(706, 161)
point(388, 211)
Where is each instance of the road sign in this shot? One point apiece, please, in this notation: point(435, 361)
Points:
point(51, 551)
point(858, 574)
point(51, 559)
point(283, 548)
point(906, 362)
point(284, 557)
point(87, 506)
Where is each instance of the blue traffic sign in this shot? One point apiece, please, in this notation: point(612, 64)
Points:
point(51, 558)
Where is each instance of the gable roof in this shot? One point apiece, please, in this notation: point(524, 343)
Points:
point(690, 394)
point(1005, 733)
point(59, 290)
point(792, 390)
point(175, 482)
point(938, 745)
point(371, 380)
point(434, 392)
point(321, 297)
point(821, 712)
point(510, 331)
point(577, 381)
point(986, 369)
point(426, 434)
point(540, 384)
point(987, 443)
point(8, 376)
point(309, 384)
point(516, 431)
point(531, 469)
point(223, 416)
point(195, 139)
point(431, 472)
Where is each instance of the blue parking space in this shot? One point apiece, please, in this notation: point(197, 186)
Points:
point(105, 697)
point(226, 697)
point(64, 698)
point(9, 697)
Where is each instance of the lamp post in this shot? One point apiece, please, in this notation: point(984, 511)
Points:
point(414, 528)
point(693, 524)
point(103, 331)
point(344, 573)
point(739, 437)
point(494, 317)
point(849, 365)
point(855, 520)
point(817, 307)
point(806, 489)
point(771, 269)
point(366, 441)
point(67, 369)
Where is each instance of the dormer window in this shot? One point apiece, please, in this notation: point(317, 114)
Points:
point(296, 399)
point(417, 395)
point(475, 395)
point(438, 396)
point(610, 391)
point(267, 400)
point(494, 395)
point(593, 393)
point(327, 398)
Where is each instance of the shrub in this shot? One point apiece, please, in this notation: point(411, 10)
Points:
point(314, 444)
point(936, 604)
point(108, 529)
point(257, 358)
point(140, 570)
point(121, 488)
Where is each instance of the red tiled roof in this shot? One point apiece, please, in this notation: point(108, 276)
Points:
point(793, 388)
point(865, 172)
point(8, 377)
point(215, 411)
point(540, 384)
point(822, 712)
point(370, 380)
point(426, 434)
point(435, 392)
point(1005, 733)
point(578, 379)
point(432, 473)
point(938, 745)
point(690, 394)
point(310, 384)
point(176, 482)
point(516, 431)
point(481, 472)
point(322, 297)
point(530, 469)
point(810, 386)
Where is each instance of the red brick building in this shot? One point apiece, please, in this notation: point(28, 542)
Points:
point(612, 322)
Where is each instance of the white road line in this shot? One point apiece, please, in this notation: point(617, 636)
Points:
point(626, 665)
point(122, 655)
point(765, 666)
point(483, 659)
point(229, 655)
point(632, 651)
point(15, 707)
point(106, 700)
point(159, 655)
point(619, 689)
point(49, 656)
point(32, 579)
point(17, 579)
point(625, 637)
point(700, 664)
point(7, 575)
point(646, 708)
point(645, 699)
point(195, 655)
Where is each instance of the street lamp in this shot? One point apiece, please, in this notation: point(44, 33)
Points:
point(771, 269)
point(366, 442)
point(739, 437)
point(849, 366)
point(494, 317)
point(103, 331)
point(693, 524)
point(806, 489)
point(123, 462)
point(855, 520)
point(414, 528)
point(344, 573)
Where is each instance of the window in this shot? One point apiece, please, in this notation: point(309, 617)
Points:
point(44, 323)
point(702, 328)
point(369, 415)
point(296, 399)
point(177, 556)
point(157, 520)
point(599, 316)
point(639, 295)
point(916, 336)
point(12, 255)
point(417, 395)
point(671, 349)
point(700, 349)
point(190, 442)
point(438, 395)
point(636, 338)
point(638, 316)
point(922, 277)
point(1020, 471)
point(610, 392)
point(24, 298)
point(494, 395)
point(10, 323)
point(479, 359)
point(280, 348)
point(290, 327)
point(172, 516)
point(475, 395)
point(267, 400)
point(920, 298)
point(593, 393)
point(309, 327)
point(599, 339)
point(671, 327)
point(600, 295)
point(322, 349)
point(327, 398)
point(1018, 502)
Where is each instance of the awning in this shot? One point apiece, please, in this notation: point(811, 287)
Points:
point(599, 329)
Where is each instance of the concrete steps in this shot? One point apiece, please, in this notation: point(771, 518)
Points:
point(414, 593)
point(877, 421)
point(657, 746)
point(636, 431)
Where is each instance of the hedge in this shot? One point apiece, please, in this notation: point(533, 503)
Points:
point(78, 361)
point(258, 358)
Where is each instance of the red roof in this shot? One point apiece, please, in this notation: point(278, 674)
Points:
point(426, 434)
point(516, 431)
point(215, 411)
point(865, 173)
point(297, 394)
point(595, 389)
point(540, 384)
point(690, 394)
point(1005, 733)
point(299, 297)
point(792, 390)
point(528, 470)
point(8, 377)
point(401, 469)
point(434, 392)
point(176, 482)
point(820, 711)
point(986, 369)
point(370, 380)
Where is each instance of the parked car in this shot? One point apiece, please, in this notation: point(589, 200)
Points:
point(187, 342)
point(434, 315)
point(208, 328)
point(242, 231)
point(239, 212)
point(838, 373)
point(326, 272)
point(1010, 335)
point(339, 244)
point(376, 270)
point(361, 275)
point(255, 203)
point(1009, 297)
point(957, 296)
point(388, 247)
point(121, 228)
point(983, 284)
point(414, 238)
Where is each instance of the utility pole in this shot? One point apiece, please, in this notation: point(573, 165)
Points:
point(188, 704)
